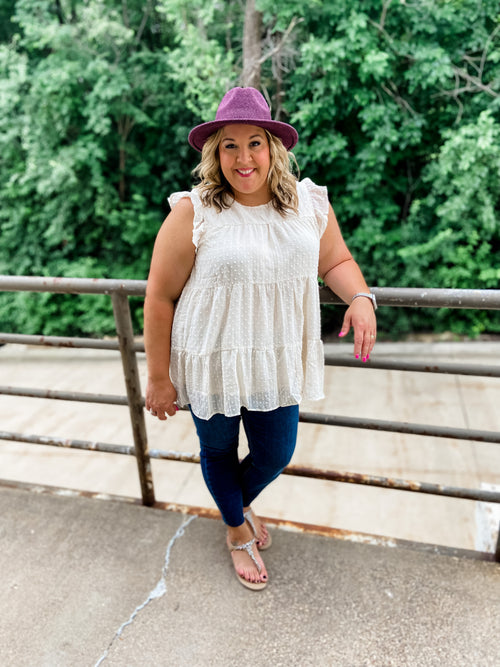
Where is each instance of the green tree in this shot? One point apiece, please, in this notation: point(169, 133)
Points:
point(452, 235)
point(6, 27)
point(378, 89)
point(390, 100)
point(92, 125)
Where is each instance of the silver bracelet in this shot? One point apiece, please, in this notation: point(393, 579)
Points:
point(368, 295)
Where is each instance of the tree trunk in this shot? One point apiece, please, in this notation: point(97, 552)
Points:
point(252, 32)
point(125, 125)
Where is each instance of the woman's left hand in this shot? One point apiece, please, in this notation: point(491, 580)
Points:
point(361, 316)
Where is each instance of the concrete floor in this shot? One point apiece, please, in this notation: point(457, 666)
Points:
point(416, 397)
point(93, 582)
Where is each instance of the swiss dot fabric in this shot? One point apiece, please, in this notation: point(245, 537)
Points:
point(246, 329)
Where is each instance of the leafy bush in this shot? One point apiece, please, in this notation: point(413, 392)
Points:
point(396, 105)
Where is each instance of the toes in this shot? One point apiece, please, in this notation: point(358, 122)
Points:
point(263, 534)
point(262, 541)
point(250, 575)
point(245, 574)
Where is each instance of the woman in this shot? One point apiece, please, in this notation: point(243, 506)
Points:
point(232, 320)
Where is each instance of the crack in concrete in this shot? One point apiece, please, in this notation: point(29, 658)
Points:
point(158, 591)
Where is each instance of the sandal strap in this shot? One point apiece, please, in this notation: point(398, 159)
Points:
point(248, 548)
point(249, 517)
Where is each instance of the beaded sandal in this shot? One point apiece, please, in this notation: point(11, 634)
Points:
point(252, 585)
point(260, 546)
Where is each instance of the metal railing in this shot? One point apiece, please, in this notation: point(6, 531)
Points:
point(120, 291)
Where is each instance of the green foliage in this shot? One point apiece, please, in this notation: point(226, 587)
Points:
point(396, 105)
point(452, 236)
point(379, 88)
point(199, 63)
point(91, 123)
point(6, 28)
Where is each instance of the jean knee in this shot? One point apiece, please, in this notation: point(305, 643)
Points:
point(276, 459)
point(272, 456)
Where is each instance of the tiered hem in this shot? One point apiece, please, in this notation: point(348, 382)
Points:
point(227, 380)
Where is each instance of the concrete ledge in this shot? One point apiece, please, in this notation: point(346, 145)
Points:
point(76, 570)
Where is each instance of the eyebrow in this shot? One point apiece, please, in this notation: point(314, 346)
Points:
point(252, 137)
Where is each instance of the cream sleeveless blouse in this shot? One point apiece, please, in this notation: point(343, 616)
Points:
point(246, 329)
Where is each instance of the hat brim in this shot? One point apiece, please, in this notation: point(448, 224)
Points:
point(283, 131)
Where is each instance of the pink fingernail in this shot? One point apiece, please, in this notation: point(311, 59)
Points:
point(357, 356)
point(176, 409)
point(364, 360)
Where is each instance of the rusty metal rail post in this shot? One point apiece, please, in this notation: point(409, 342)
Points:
point(135, 402)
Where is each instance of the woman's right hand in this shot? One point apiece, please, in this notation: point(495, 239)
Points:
point(161, 398)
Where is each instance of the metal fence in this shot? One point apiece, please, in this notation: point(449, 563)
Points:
point(120, 291)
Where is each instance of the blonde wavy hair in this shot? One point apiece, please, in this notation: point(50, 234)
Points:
point(216, 191)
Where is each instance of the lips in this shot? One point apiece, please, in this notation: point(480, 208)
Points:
point(245, 173)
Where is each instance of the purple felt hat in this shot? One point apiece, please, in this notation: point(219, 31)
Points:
point(248, 106)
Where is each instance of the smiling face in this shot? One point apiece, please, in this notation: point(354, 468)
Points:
point(245, 161)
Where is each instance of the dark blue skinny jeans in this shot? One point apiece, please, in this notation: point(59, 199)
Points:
point(271, 442)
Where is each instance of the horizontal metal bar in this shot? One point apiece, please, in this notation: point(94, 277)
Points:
point(306, 417)
point(293, 470)
point(398, 484)
point(400, 427)
point(167, 455)
point(420, 297)
point(415, 297)
point(63, 341)
point(107, 399)
point(356, 478)
point(59, 341)
point(54, 441)
point(72, 285)
point(67, 443)
point(332, 359)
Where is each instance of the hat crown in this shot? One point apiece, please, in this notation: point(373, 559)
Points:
point(247, 106)
point(243, 104)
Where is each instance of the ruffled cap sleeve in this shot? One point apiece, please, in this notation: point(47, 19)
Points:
point(198, 221)
point(318, 195)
